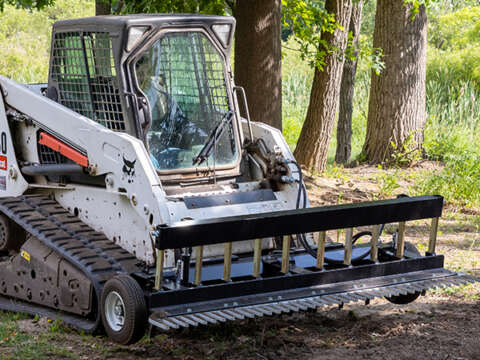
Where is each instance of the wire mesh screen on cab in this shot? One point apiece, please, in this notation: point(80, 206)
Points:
point(183, 78)
point(84, 69)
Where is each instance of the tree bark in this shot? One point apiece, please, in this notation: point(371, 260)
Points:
point(312, 146)
point(347, 88)
point(103, 7)
point(396, 110)
point(258, 58)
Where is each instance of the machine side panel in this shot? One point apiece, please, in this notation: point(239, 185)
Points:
point(12, 183)
point(121, 157)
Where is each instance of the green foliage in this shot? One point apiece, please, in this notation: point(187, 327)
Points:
point(406, 154)
point(297, 78)
point(454, 117)
point(26, 4)
point(25, 37)
point(452, 136)
point(387, 183)
point(454, 51)
point(456, 30)
point(308, 20)
point(176, 6)
point(458, 182)
point(58, 326)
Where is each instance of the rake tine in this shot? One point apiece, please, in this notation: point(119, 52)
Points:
point(160, 324)
point(177, 321)
point(238, 315)
point(197, 319)
point(187, 320)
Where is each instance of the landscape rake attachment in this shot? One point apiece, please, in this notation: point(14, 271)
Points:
point(292, 280)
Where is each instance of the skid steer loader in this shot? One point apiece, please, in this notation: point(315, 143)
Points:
point(133, 193)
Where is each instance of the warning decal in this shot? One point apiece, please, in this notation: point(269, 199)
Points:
point(25, 255)
point(3, 162)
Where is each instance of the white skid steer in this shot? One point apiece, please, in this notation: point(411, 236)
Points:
point(132, 192)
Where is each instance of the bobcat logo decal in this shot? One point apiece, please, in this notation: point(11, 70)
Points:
point(129, 169)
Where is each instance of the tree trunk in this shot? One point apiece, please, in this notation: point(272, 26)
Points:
point(103, 7)
point(312, 146)
point(396, 111)
point(347, 88)
point(258, 58)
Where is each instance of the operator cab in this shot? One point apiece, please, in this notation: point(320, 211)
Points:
point(165, 79)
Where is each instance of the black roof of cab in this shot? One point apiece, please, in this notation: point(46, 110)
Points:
point(117, 25)
point(122, 21)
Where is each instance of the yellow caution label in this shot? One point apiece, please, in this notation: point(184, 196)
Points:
point(25, 255)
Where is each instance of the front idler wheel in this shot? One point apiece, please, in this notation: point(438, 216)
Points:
point(124, 311)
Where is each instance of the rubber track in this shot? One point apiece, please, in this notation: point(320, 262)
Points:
point(89, 250)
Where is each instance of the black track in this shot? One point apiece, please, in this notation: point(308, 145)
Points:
point(89, 250)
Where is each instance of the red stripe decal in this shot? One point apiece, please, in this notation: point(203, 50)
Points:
point(67, 151)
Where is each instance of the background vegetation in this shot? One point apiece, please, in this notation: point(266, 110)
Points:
point(453, 109)
point(453, 85)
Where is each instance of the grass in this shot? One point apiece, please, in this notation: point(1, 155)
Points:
point(17, 344)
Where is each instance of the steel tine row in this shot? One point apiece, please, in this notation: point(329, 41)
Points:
point(288, 306)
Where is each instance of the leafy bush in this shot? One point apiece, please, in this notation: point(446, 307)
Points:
point(454, 54)
point(458, 181)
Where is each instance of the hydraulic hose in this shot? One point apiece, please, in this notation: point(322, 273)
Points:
point(301, 237)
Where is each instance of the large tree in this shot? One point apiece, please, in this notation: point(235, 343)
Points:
point(347, 88)
point(312, 146)
point(258, 58)
point(396, 111)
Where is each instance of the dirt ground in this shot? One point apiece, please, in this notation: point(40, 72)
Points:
point(444, 324)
